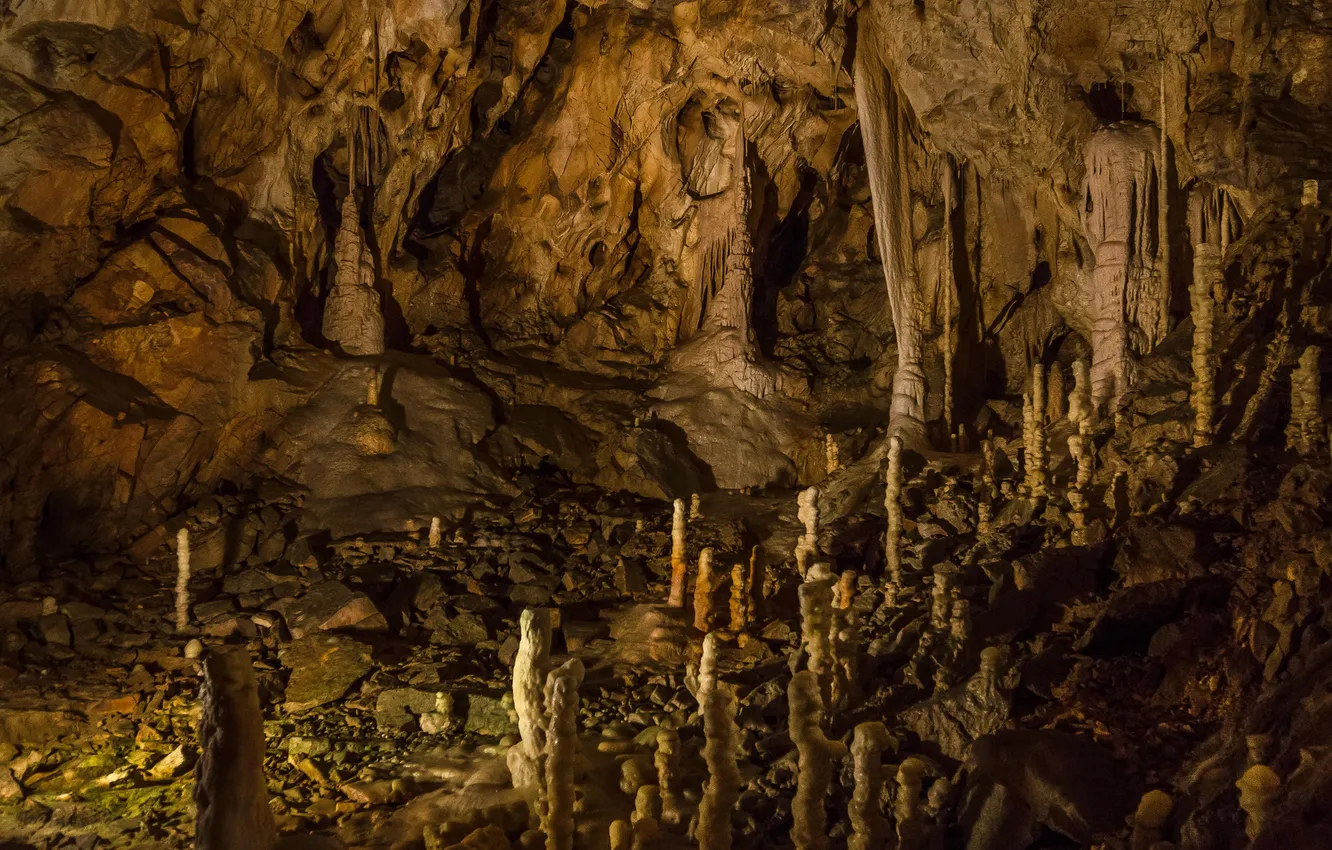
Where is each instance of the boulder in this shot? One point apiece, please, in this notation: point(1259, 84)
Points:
point(330, 605)
point(323, 667)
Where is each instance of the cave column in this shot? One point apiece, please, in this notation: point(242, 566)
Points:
point(883, 128)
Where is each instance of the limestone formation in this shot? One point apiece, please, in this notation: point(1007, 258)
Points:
point(807, 546)
point(884, 127)
point(1149, 820)
point(1258, 787)
point(679, 566)
point(717, 705)
point(561, 750)
point(1213, 226)
point(1054, 394)
point(353, 319)
point(1121, 299)
point(434, 536)
point(892, 501)
point(703, 591)
point(1306, 430)
point(910, 825)
point(1033, 413)
point(668, 775)
point(530, 666)
point(817, 628)
point(868, 826)
point(817, 754)
point(230, 792)
point(1080, 407)
point(182, 579)
point(832, 455)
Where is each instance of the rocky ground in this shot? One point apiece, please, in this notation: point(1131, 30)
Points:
point(1187, 640)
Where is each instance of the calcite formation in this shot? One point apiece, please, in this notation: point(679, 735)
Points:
point(623, 423)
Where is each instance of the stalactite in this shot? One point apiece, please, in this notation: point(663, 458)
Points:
point(561, 750)
point(883, 126)
point(679, 566)
point(529, 674)
point(182, 579)
point(816, 755)
point(703, 591)
point(230, 792)
point(893, 505)
point(868, 826)
point(1163, 214)
point(716, 703)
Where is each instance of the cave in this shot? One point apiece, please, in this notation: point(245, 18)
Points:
point(631, 425)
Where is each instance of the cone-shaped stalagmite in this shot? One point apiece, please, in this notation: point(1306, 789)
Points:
point(679, 566)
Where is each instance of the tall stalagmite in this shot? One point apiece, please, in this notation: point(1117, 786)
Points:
point(229, 787)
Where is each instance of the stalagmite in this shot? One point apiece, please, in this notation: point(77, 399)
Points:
point(621, 835)
point(646, 817)
point(959, 622)
point(1214, 222)
point(816, 627)
point(182, 579)
point(948, 283)
point(739, 606)
point(695, 507)
point(1149, 820)
point(832, 455)
point(679, 566)
point(1120, 187)
point(1305, 432)
point(230, 792)
point(1163, 215)
point(1079, 400)
point(703, 592)
point(892, 502)
point(529, 673)
point(884, 128)
point(753, 586)
point(716, 703)
point(868, 826)
point(910, 830)
point(809, 819)
point(561, 749)
point(1034, 462)
point(807, 547)
point(845, 642)
point(1258, 789)
point(668, 775)
point(352, 315)
point(940, 600)
point(434, 536)
point(1054, 394)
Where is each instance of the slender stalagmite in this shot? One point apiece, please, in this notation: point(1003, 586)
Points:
point(1054, 394)
point(229, 788)
point(1203, 391)
point(1213, 224)
point(1305, 432)
point(809, 819)
point(868, 826)
point(703, 591)
point(1036, 476)
point(884, 121)
point(1028, 436)
point(1149, 820)
point(561, 750)
point(433, 537)
point(716, 703)
point(808, 544)
point(739, 607)
point(892, 502)
point(832, 455)
point(668, 775)
point(910, 830)
point(182, 579)
point(948, 285)
point(529, 702)
point(679, 566)
point(816, 627)
point(1079, 400)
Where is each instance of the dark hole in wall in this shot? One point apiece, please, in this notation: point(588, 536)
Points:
point(783, 258)
point(1110, 102)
